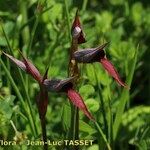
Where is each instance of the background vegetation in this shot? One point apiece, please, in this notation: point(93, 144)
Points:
point(43, 34)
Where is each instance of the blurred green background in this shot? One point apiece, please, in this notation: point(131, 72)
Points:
point(123, 23)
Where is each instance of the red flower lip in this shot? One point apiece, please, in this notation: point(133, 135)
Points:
point(58, 85)
point(77, 100)
point(76, 30)
point(90, 55)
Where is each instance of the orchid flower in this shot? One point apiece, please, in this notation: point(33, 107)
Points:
point(28, 67)
point(66, 86)
point(91, 55)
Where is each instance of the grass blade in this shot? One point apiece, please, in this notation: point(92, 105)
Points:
point(124, 97)
point(103, 135)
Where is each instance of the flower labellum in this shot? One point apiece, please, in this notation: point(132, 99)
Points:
point(66, 86)
point(77, 100)
point(98, 55)
point(27, 66)
point(76, 30)
point(108, 66)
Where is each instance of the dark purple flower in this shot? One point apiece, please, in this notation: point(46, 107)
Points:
point(90, 55)
point(57, 85)
point(28, 67)
point(98, 55)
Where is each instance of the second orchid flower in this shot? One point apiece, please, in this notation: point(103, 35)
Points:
point(91, 55)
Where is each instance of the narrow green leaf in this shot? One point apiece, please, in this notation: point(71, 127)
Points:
point(124, 97)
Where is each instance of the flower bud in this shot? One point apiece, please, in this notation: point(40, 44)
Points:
point(76, 30)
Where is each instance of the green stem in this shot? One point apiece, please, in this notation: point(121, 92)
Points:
point(110, 119)
point(14, 127)
point(33, 18)
point(68, 19)
point(32, 35)
point(84, 5)
point(8, 63)
point(25, 31)
point(28, 101)
point(73, 71)
point(102, 102)
point(103, 135)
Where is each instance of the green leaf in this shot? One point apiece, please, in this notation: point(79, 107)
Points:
point(92, 104)
point(124, 97)
point(137, 13)
point(93, 147)
point(102, 75)
point(83, 126)
point(66, 115)
point(116, 2)
point(103, 24)
point(6, 107)
point(135, 117)
point(86, 90)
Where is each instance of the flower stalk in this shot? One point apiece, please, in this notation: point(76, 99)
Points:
point(77, 38)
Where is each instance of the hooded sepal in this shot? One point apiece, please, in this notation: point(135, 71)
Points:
point(58, 85)
point(19, 63)
point(90, 55)
point(26, 65)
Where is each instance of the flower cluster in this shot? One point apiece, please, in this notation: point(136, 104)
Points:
point(89, 55)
